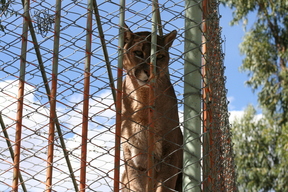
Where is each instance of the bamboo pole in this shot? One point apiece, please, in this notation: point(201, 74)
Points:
point(151, 133)
point(104, 49)
point(19, 115)
point(51, 134)
point(192, 97)
point(119, 97)
point(47, 88)
point(86, 95)
point(158, 17)
point(6, 136)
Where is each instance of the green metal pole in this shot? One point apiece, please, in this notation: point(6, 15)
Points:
point(192, 97)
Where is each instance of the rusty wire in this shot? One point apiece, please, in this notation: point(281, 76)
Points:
point(85, 159)
point(218, 165)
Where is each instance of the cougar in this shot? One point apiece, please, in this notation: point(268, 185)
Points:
point(135, 109)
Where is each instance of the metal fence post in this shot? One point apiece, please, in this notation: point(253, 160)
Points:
point(192, 97)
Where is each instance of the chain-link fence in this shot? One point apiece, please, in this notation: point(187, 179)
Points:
point(65, 114)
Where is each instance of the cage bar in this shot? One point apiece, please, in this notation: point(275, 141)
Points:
point(47, 88)
point(208, 165)
point(104, 48)
point(9, 145)
point(20, 101)
point(192, 97)
point(158, 17)
point(122, 28)
point(151, 128)
point(53, 101)
point(86, 97)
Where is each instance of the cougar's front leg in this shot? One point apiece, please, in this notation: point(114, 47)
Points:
point(134, 178)
point(169, 173)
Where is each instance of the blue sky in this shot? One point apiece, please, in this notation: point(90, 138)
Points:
point(239, 94)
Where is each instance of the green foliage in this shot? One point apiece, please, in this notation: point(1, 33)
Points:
point(265, 48)
point(261, 153)
point(5, 9)
point(261, 146)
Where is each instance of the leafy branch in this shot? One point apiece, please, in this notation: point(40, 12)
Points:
point(5, 9)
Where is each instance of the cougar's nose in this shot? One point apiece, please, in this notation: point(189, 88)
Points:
point(147, 72)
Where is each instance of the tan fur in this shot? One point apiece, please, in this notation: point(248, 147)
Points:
point(135, 106)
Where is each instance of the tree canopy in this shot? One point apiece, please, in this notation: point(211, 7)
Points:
point(265, 47)
point(261, 145)
point(261, 153)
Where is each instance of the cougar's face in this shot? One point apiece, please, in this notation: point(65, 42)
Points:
point(137, 59)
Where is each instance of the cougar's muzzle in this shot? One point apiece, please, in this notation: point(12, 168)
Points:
point(142, 74)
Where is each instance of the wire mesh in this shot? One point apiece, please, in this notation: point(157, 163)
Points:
point(218, 151)
point(59, 63)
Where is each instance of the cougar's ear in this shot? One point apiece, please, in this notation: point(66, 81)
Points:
point(127, 34)
point(169, 38)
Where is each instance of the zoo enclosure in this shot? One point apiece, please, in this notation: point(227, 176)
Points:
point(59, 63)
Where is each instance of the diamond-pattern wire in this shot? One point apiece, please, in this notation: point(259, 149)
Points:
point(70, 90)
point(220, 173)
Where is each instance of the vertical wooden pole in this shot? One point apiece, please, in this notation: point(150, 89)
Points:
point(19, 115)
point(104, 49)
point(47, 88)
point(151, 138)
point(119, 97)
point(86, 96)
point(51, 134)
point(11, 150)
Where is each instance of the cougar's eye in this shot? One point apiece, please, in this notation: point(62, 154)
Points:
point(160, 56)
point(139, 54)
